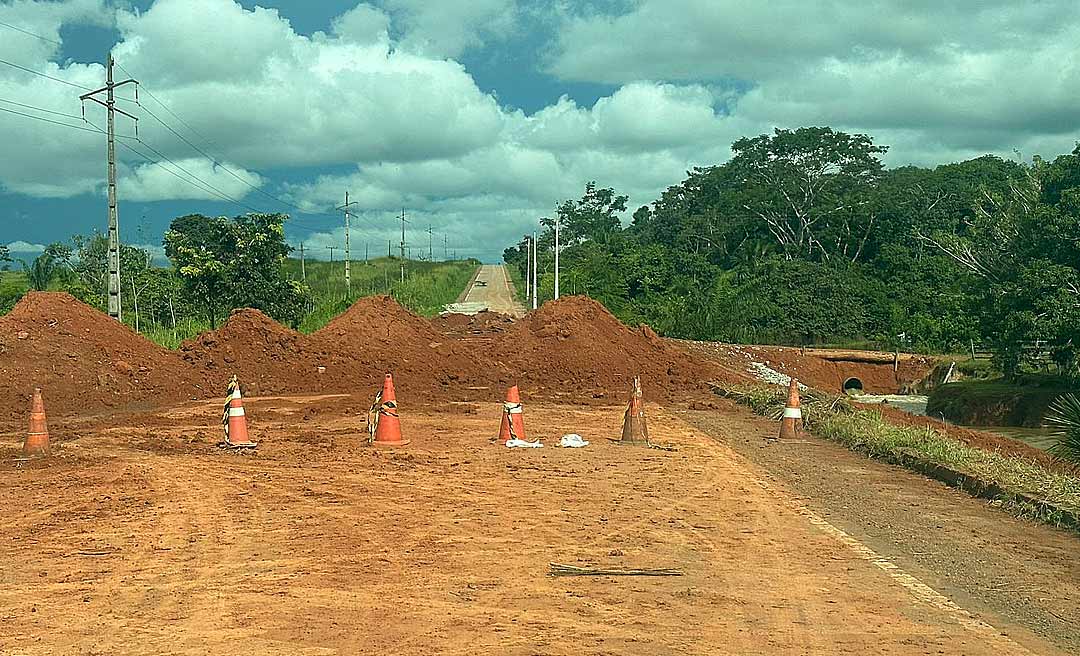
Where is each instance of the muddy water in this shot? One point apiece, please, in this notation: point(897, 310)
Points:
point(914, 404)
point(1040, 438)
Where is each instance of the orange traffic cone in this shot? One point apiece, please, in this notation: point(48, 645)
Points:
point(234, 419)
point(37, 439)
point(387, 424)
point(634, 429)
point(513, 421)
point(791, 425)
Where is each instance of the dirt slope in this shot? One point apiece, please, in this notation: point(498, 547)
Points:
point(82, 359)
point(267, 357)
point(575, 347)
point(377, 335)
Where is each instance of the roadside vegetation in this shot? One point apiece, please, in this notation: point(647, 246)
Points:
point(836, 419)
point(1023, 401)
point(428, 286)
point(804, 237)
point(219, 264)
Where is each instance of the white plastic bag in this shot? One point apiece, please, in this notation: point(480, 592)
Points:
point(573, 441)
point(515, 443)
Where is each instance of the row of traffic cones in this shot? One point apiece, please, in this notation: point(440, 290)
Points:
point(384, 424)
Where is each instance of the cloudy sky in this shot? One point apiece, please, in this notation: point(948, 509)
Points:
point(477, 116)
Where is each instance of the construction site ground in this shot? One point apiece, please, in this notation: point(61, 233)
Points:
point(141, 537)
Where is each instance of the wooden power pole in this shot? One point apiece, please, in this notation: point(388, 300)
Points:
point(109, 104)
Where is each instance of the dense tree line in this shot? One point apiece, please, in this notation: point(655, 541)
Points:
point(804, 237)
point(218, 264)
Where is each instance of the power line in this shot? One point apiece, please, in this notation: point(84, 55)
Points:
point(40, 109)
point(49, 120)
point(44, 75)
point(192, 179)
point(217, 161)
point(36, 36)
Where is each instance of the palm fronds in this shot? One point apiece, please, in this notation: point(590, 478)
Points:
point(1064, 416)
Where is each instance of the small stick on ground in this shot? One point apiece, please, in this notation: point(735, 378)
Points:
point(558, 569)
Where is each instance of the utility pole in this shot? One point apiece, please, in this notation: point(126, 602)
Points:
point(114, 219)
point(331, 249)
point(348, 253)
point(366, 245)
point(303, 267)
point(430, 257)
point(528, 268)
point(403, 244)
point(445, 251)
point(556, 258)
point(535, 262)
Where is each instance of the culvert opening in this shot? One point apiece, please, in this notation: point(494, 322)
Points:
point(852, 384)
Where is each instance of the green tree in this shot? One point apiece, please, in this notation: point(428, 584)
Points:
point(810, 189)
point(595, 217)
point(41, 271)
point(225, 264)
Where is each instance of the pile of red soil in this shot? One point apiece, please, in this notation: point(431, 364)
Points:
point(483, 322)
point(83, 360)
point(377, 335)
point(267, 357)
point(574, 348)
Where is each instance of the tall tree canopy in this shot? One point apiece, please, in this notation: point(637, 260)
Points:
point(229, 263)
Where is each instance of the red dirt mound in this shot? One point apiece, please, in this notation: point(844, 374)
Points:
point(574, 347)
point(377, 335)
point(267, 357)
point(376, 319)
point(82, 359)
point(479, 323)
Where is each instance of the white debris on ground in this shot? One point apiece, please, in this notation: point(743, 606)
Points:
point(767, 374)
point(760, 370)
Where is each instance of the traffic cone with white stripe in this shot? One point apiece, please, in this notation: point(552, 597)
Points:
point(513, 419)
point(37, 438)
point(387, 427)
point(791, 425)
point(235, 419)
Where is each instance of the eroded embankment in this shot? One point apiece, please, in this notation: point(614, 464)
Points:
point(825, 369)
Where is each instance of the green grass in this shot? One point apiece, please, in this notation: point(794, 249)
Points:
point(171, 339)
point(12, 286)
point(867, 432)
point(428, 286)
point(519, 284)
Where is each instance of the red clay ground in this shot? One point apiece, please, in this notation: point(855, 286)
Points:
point(139, 538)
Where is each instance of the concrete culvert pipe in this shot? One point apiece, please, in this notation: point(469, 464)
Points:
point(852, 385)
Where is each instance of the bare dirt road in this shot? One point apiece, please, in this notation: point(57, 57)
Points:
point(491, 289)
point(139, 537)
